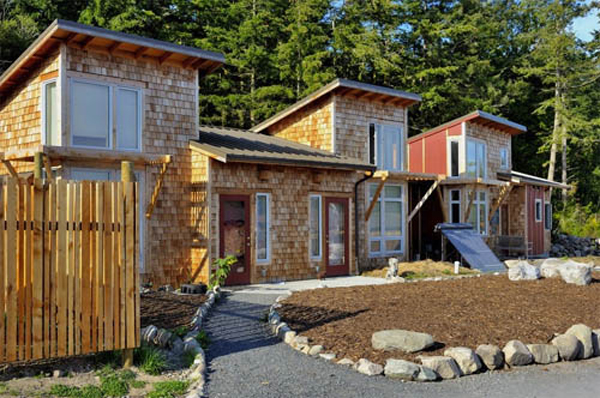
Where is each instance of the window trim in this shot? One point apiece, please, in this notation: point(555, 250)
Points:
point(459, 202)
point(547, 216)
point(320, 230)
point(43, 109)
point(535, 212)
point(477, 202)
point(485, 158)
point(140, 119)
point(456, 139)
point(382, 238)
point(267, 197)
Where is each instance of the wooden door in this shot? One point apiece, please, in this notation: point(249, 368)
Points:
point(535, 225)
point(336, 236)
point(234, 228)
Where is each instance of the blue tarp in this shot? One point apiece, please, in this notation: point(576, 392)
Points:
point(469, 244)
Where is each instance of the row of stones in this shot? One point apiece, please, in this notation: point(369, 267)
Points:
point(167, 340)
point(578, 342)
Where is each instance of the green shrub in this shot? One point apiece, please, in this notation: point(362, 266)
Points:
point(150, 360)
point(578, 221)
point(203, 339)
point(61, 390)
point(137, 384)
point(113, 386)
point(90, 391)
point(180, 331)
point(222, 269)
point(168, 389)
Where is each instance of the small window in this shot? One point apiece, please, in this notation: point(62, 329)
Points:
point(548, 216)
point(455, 206)
point(372, 143)
point(90, 115)
point(386, 146)
point(316, 231)
point(504, 158)
point(454, 169)
point(262, 227)
point(538, 210)
point(476, 159)
point(128, 119)
point(386, 228)
point(478, 213)
point(50, 114)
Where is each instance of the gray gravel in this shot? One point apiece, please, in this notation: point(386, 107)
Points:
point(245, 361)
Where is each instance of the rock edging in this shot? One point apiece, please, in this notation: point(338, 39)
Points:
point(457, 361)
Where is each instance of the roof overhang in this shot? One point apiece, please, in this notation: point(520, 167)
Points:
point(346, 88)
point(528, 179)
point(114, 43)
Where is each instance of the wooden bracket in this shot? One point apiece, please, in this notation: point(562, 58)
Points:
point(48, 167)
point(10, 169)
point(375, 197)
point(158, 186)
point(503, 196)
point(471, 199)
point(442, 204)
point(423, 200)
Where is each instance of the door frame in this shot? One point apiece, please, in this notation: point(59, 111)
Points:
point(344, 269)
point(248, 251)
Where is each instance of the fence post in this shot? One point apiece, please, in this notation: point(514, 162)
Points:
point(127, 175)
point(38, 162)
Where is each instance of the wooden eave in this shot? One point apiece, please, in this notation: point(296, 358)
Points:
point(474, 182)
point(406, 176)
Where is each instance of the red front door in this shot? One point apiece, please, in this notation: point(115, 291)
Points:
point(336, 236)
point(234, 227)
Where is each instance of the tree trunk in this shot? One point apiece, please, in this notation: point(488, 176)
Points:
point(555, 130)
point(564, 165)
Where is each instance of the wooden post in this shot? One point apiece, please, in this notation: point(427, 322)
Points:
point(38, 165)
point(127, 175)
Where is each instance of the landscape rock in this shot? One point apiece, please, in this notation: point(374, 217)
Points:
point(523, 271)
point(573, 246)
point(549, 268)
point(569, 347)
point(288, 337)
point(543, 353)
point(596, 341)
point(404, 340)
point(329, 356)
point(176, 344)
point(491, 355)
point(58, 373)
point(346, 362)
point(149, 334)
point(575, 273)
point(315, 350)
point(517, 354)
point(368, 368)
point(445, 367)
point(300, 340)
point(466, 359)
point(162, 337)
point(426, 374)
point(584, 335)
point(191, 345)
point(401, 369)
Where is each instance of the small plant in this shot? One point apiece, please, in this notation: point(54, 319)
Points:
point(150, 360)
point(90, 391)
point(203, 339)
point(180, 331)
point(222, 269)
point(168, 389)
point(137, 384)
point(113, 386)
point(188, 359)
point(61, 390)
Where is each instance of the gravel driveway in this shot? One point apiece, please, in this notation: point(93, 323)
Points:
point(245, 361)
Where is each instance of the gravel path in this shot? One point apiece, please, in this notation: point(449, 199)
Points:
point(245, 361)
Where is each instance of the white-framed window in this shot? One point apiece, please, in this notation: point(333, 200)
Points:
point(386, 146)
point(455, 206)
point(386, 228)
point(316, 227)
point(476, 158)
point(538, 210)
point(504, 158)
point(88, 174)
point(50, 113)
point(547, 216)
point(478, 214)
point(263, 223)
point(454, 150)
point(93, 118)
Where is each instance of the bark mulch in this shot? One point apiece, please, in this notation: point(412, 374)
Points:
point(168, 310)
point(463, 312)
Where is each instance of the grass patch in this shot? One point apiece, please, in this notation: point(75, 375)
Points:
point(61, 390)
point(137, 384)
point(114, 386)
point(150, 360)
point(188, 359)
point(203, 339)
point(168, 389)
point(90, 391)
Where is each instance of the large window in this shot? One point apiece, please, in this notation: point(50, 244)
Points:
point(50, 114)
point(478, 213)
point(315, 227)
point(386, 145)
point(455, 206)
point(386, 231)
point(476, 159)
point(92, 116)
point(262, 227)
point(548, 216)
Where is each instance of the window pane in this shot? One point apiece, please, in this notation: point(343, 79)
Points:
point(482, 196)
point(51, 113)
point(375, 246)
point(454, 158)
point(315, 227)
point(393, 218)
point(372, 143)
point(90, 114)
point(379, 155)
point(375, 221)
point(393, 245)
point(455, 212)
point(261, 227)
point(127, 119)
point(482, 219)
point(392, 148)
point(471, 159)
point(393, 192)
point(481, 160)
point(473, 217)
point(372, 190)
point(455, 195)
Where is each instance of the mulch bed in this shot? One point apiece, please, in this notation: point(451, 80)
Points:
point(169, 310)
point(464, 312)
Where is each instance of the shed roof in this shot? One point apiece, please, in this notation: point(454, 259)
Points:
point(234, 145)
point(481, 118)
point(530, 179)
point(115, 43)
point(349, 88)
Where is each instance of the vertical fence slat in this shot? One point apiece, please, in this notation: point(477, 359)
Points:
point(2, 272)
point(62, 289)
point(11, 274)
point(51, 269)
point(38, 270)
point(86, 266)
point(130, 253)
point(116, 268)
point(99, 264)
point(21, 272)
point(77, 266)
point(108, 282)
point(70, 325)
point(123, 264)
point(28, 282)
point(136, 263)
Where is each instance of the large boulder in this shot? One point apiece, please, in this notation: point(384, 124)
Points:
point(517, 354)
point(575, 273)
point(549, 268)
point(491, 355)
point(401, 369)
point(467, 360)
point(446, 367)
point(368, 368)
point(523, 271)
point(543, 353)
point(569, 347)
point(404, 340)
point(584, 335)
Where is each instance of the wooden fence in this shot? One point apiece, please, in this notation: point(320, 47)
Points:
point(68, 268)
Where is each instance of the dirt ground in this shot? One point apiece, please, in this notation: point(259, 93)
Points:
point(168, 310)
point(421, 269)
point(462, 312)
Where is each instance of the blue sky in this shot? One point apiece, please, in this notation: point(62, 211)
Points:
point(584, 27)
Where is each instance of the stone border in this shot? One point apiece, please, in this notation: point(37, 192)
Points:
point(578, 342)
point(163, 338)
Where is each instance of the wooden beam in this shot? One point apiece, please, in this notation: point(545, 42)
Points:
point(164, 57)
point(423, 200)
point(186, 63)
point(140, 51)
point(157, 187)
point(38, 165)
point(70, 37)
point(442, 204)
point(10, 168)
point(86, 42)
point(503, 196)
point(48, 167)
point(471, 198)
point(114, 47)
point(375, 198)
